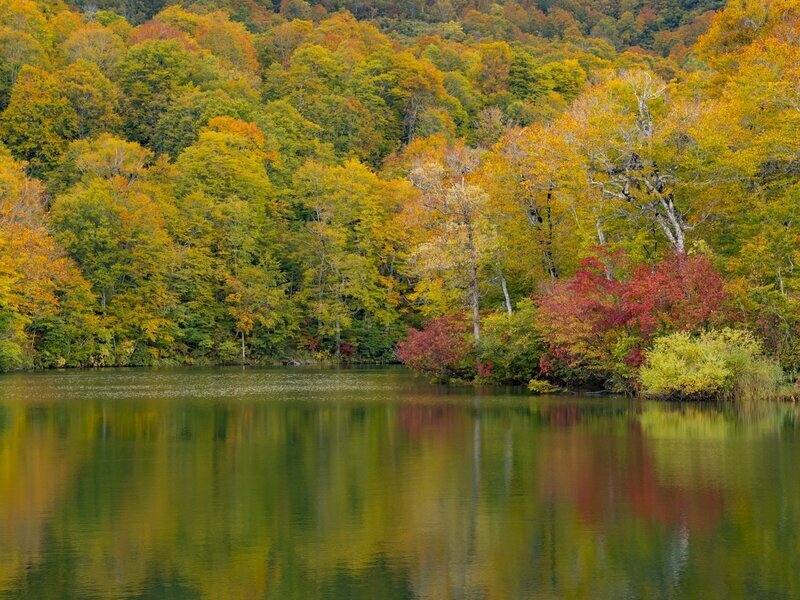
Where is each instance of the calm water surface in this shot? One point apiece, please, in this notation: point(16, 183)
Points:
point(371, 484)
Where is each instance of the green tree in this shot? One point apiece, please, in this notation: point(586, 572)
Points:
point(228, 225)
point(39, 121)
point(152, 74)
point(114, 228)
point(354, 255)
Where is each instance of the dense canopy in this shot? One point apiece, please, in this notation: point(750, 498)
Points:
point(221, 181)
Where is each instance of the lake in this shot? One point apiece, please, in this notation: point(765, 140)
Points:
point(370, 483)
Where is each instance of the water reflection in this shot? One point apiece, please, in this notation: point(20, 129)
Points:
point(370, 484)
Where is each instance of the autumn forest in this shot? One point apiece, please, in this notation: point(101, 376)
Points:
point(593, 193)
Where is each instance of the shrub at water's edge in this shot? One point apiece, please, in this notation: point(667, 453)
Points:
point(599, 324)
point(509, 350)
point(441, 350)
point(511, 345)
point(660, 330)
point(540, 387)
point(726, 363)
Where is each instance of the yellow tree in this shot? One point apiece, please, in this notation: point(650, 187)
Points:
point(355, 251)
point(38, 283)
point(753, 119)
point(229, 225)
point(531, 178)
point(451, 214)
point(643, 148)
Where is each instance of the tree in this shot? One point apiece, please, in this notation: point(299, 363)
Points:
point(17, 49)
point(356, 251)
point(151, 76)
point(114, 228)
point(39, 120)
point(180, 124)
point(96, 44)
point(49, 109)
point(228, 40)
point(440, 350)
point(227, 223)
point(535, 199)
point(92, 96)
point(743, 22)
point(44, 302)
point(636, 159)
point(512, 345)
point(754, 121)
point(451, 208)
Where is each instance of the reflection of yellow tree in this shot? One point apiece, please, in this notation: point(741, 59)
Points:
point(239, 499)
point(35, 469)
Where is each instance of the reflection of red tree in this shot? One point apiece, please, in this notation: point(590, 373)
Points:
point(421, 421)
point(697, 508)
point(603, 476)
point(561, 416)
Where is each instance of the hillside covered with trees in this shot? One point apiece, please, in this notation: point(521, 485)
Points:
point(556, 190)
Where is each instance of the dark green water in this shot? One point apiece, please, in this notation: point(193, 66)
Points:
point(370, 484)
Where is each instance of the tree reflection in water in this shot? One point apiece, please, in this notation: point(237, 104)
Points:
point(366, 484)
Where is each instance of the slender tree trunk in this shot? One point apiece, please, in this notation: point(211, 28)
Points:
point(601, 235)
point(243, 353)
point(549, 254)
point(506, 296)
point(473, 283)
point(476, 308)
point(548, 243)
point(601, 240)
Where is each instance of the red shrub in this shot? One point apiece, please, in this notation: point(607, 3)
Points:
point(597, 326)
point(440, 350)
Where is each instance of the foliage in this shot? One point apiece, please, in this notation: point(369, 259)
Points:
point(440, 350)
point(599, 323)
point(726, 363)
point(223, 181)
point(45, 313)
point(541, 387)
point(511, 344)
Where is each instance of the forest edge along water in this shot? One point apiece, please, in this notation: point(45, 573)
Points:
point(516, 199)
point(555, 193)
point(369, 482)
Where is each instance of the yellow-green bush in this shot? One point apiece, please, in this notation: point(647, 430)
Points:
point(541, 387)
point(511, 345)
point(727, 363)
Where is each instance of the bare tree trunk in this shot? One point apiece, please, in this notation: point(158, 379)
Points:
point(601, 239)
point(506, 296)
point(476, 323)
point(548, 243)
point(243, 352)
point(549, 254)
point(473, 283)
point(601, 235)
